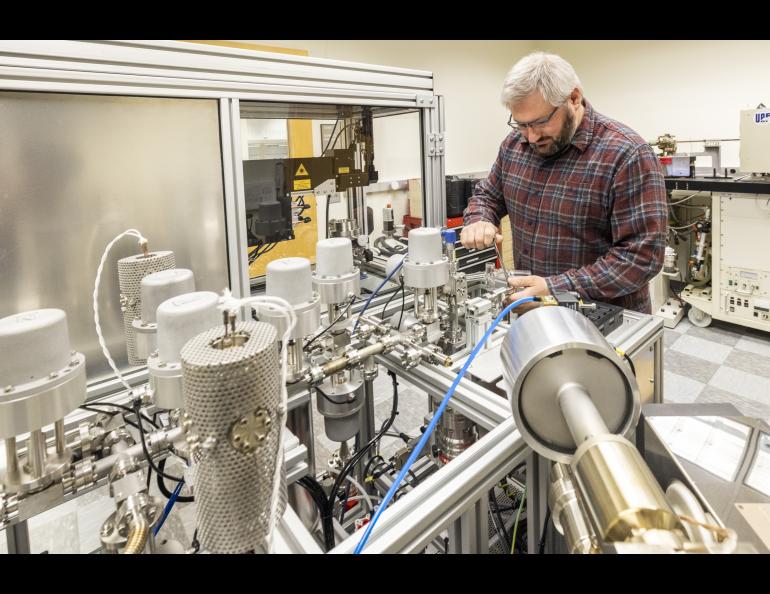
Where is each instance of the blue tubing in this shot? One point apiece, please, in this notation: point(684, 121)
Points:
point(429, 430)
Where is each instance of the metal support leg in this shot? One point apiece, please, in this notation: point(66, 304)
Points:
point(60, 437)
point(470, 532)
point(366, 423)
point(36, 453)
point(300, 422)
point(11, 459)
point(537, 499)
point(17, 537)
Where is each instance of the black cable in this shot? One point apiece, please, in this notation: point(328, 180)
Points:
point(338, 134)
point(195, 544)
point(146, 452)
point(345, 501)
point(349, 485)
point(120, 406)
point(631, 364)
point(541, 547)
point(362, 452)
point(316, 492)
point(162, 486)
point(401, 317)
point(339, 317)
point(112, 413)
point(501, 535)
point(368, 464)
point(326, 504)
point(330, 137)
point(501, 532)
point(400, 288)
point(387, 467)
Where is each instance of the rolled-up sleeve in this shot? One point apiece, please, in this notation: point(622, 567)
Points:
point(638, 223)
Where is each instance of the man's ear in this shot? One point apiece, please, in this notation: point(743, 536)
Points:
point(576, 97)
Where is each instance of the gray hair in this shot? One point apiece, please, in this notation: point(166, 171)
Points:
point(550, 74)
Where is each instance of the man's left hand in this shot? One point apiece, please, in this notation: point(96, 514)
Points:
point(526, 286)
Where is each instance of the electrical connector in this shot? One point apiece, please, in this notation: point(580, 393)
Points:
point(548, 300)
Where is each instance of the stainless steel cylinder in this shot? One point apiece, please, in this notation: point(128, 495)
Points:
point(621, 494)
point(308, 318)
point(569, 517)
point(232, 394)
point(296, 364)
point(550, 348)
point(455, 433)
point(337, 289)
point(426, 275)
point(131, 271)
point(339, 399)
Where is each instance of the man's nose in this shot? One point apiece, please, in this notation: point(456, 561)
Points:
point(532, 135)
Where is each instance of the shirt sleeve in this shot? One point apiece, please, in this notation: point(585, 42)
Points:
point(639, 223)
point(487, 202)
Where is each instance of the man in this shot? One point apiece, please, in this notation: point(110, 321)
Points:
point(585, 194)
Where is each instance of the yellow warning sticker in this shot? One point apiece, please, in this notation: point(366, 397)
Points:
point(301, 184)
point(301, 171)
point(343, 170)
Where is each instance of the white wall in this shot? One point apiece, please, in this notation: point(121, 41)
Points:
point(692, 89)
point(469, 74)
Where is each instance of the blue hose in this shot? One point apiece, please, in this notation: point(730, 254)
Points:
point(167, 509)
point(377, 290)
point(429, 430)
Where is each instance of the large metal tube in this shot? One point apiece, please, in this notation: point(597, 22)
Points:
point(621, 494)
point(549, 348)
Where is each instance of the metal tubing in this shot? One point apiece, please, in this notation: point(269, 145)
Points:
point(60, 437)
point(36, 453)
point(583, 420)
point(11, 458)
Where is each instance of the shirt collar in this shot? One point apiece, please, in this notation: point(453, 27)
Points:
point(585, 130)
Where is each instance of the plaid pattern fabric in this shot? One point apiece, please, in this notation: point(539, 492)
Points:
point(592, 219)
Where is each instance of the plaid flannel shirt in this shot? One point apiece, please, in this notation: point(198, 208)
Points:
point(592, 219)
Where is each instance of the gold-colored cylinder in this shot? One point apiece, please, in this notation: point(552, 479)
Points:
point(625, 501)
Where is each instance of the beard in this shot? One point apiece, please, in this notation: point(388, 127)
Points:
point(548, 146)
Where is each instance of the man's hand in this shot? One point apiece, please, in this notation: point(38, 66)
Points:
point(526, 286)
point(480, 235)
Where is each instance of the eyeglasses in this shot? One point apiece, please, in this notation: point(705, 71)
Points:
point(533, 125)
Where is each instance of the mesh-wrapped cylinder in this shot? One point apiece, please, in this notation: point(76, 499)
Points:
point(131, 271)
point(232, 395)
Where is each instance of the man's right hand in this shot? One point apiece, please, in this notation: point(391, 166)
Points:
point(480, 235)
